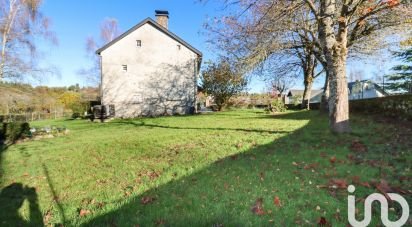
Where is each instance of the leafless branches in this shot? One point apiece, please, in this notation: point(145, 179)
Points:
point(20, 23)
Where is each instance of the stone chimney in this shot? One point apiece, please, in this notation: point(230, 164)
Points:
point(162, 18)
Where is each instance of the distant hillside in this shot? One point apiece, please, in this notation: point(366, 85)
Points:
point(23, 98)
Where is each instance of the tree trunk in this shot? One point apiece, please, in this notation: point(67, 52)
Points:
point(338, 99)
point(308, 90)
point(309, 64)
point(335, 50)
point(325, 96)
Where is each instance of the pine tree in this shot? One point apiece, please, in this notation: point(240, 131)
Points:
point(401, 79)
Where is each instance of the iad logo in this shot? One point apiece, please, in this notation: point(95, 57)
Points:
point(384, 209)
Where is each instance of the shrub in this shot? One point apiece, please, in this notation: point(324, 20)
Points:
point(277, 106)
point(14, 131)
point(75, 115)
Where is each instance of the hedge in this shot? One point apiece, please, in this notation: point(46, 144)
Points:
point(13, 131)
point(397, 106)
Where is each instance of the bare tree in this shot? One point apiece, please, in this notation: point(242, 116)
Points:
point(333, 30)
point(344, 24)
point(108, 31)
point(356, 75)
point(20, 23)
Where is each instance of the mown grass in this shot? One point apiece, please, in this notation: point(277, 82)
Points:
point(205, 170)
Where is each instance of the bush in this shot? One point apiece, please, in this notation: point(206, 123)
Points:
point(13, 131)
point(75, 115)
point(277, 106)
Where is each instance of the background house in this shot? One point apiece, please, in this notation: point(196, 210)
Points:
point(149, 71)
point(365, 89)
point(295, 96)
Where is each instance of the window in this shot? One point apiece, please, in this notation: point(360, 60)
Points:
point(139, 43)
point(178, 46)
point(124, 67)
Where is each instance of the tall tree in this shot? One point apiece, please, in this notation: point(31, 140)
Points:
point(340, 25)
point(21, 22)
point(262, 32)
point(109, 30)
point(401, 80)
point(342, 28)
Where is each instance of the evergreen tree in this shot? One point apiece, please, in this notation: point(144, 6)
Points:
point(401, 79)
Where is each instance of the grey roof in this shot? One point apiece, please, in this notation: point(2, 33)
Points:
point(156, 25)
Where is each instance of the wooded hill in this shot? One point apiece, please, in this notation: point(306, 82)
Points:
point(16, 98)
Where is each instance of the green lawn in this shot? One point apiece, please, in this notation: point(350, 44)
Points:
point(204, 170)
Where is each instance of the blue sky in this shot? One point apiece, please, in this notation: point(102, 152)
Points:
point(75, 20)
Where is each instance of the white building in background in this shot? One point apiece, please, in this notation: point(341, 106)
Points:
point(365, 89)
point(149, 71)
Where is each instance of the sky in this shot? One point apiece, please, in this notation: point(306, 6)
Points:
point(75, 20)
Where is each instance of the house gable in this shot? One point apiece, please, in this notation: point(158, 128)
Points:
point(158, 27)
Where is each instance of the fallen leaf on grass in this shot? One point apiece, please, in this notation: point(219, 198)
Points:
point(384, 188)
point(84, 212)
point(322, 222)
point(277, 202)
point(258, 207)
point(153, 175)
point(311, 166)
point(338, 183)
point(332, 159)
point(356, 180)
point(358, 146)
point(365, 184)
point(146, 200)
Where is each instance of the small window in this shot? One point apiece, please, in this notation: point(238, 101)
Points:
point(179, 47)
point(124, 67)
point(139, 43)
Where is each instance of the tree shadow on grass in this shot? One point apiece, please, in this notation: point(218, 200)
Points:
point(223, 193)
point(12, 198)
point(151, 125)
point(14, 195)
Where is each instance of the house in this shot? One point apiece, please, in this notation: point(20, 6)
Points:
point(365, 89)
point(149, 71)
point(295, 96)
